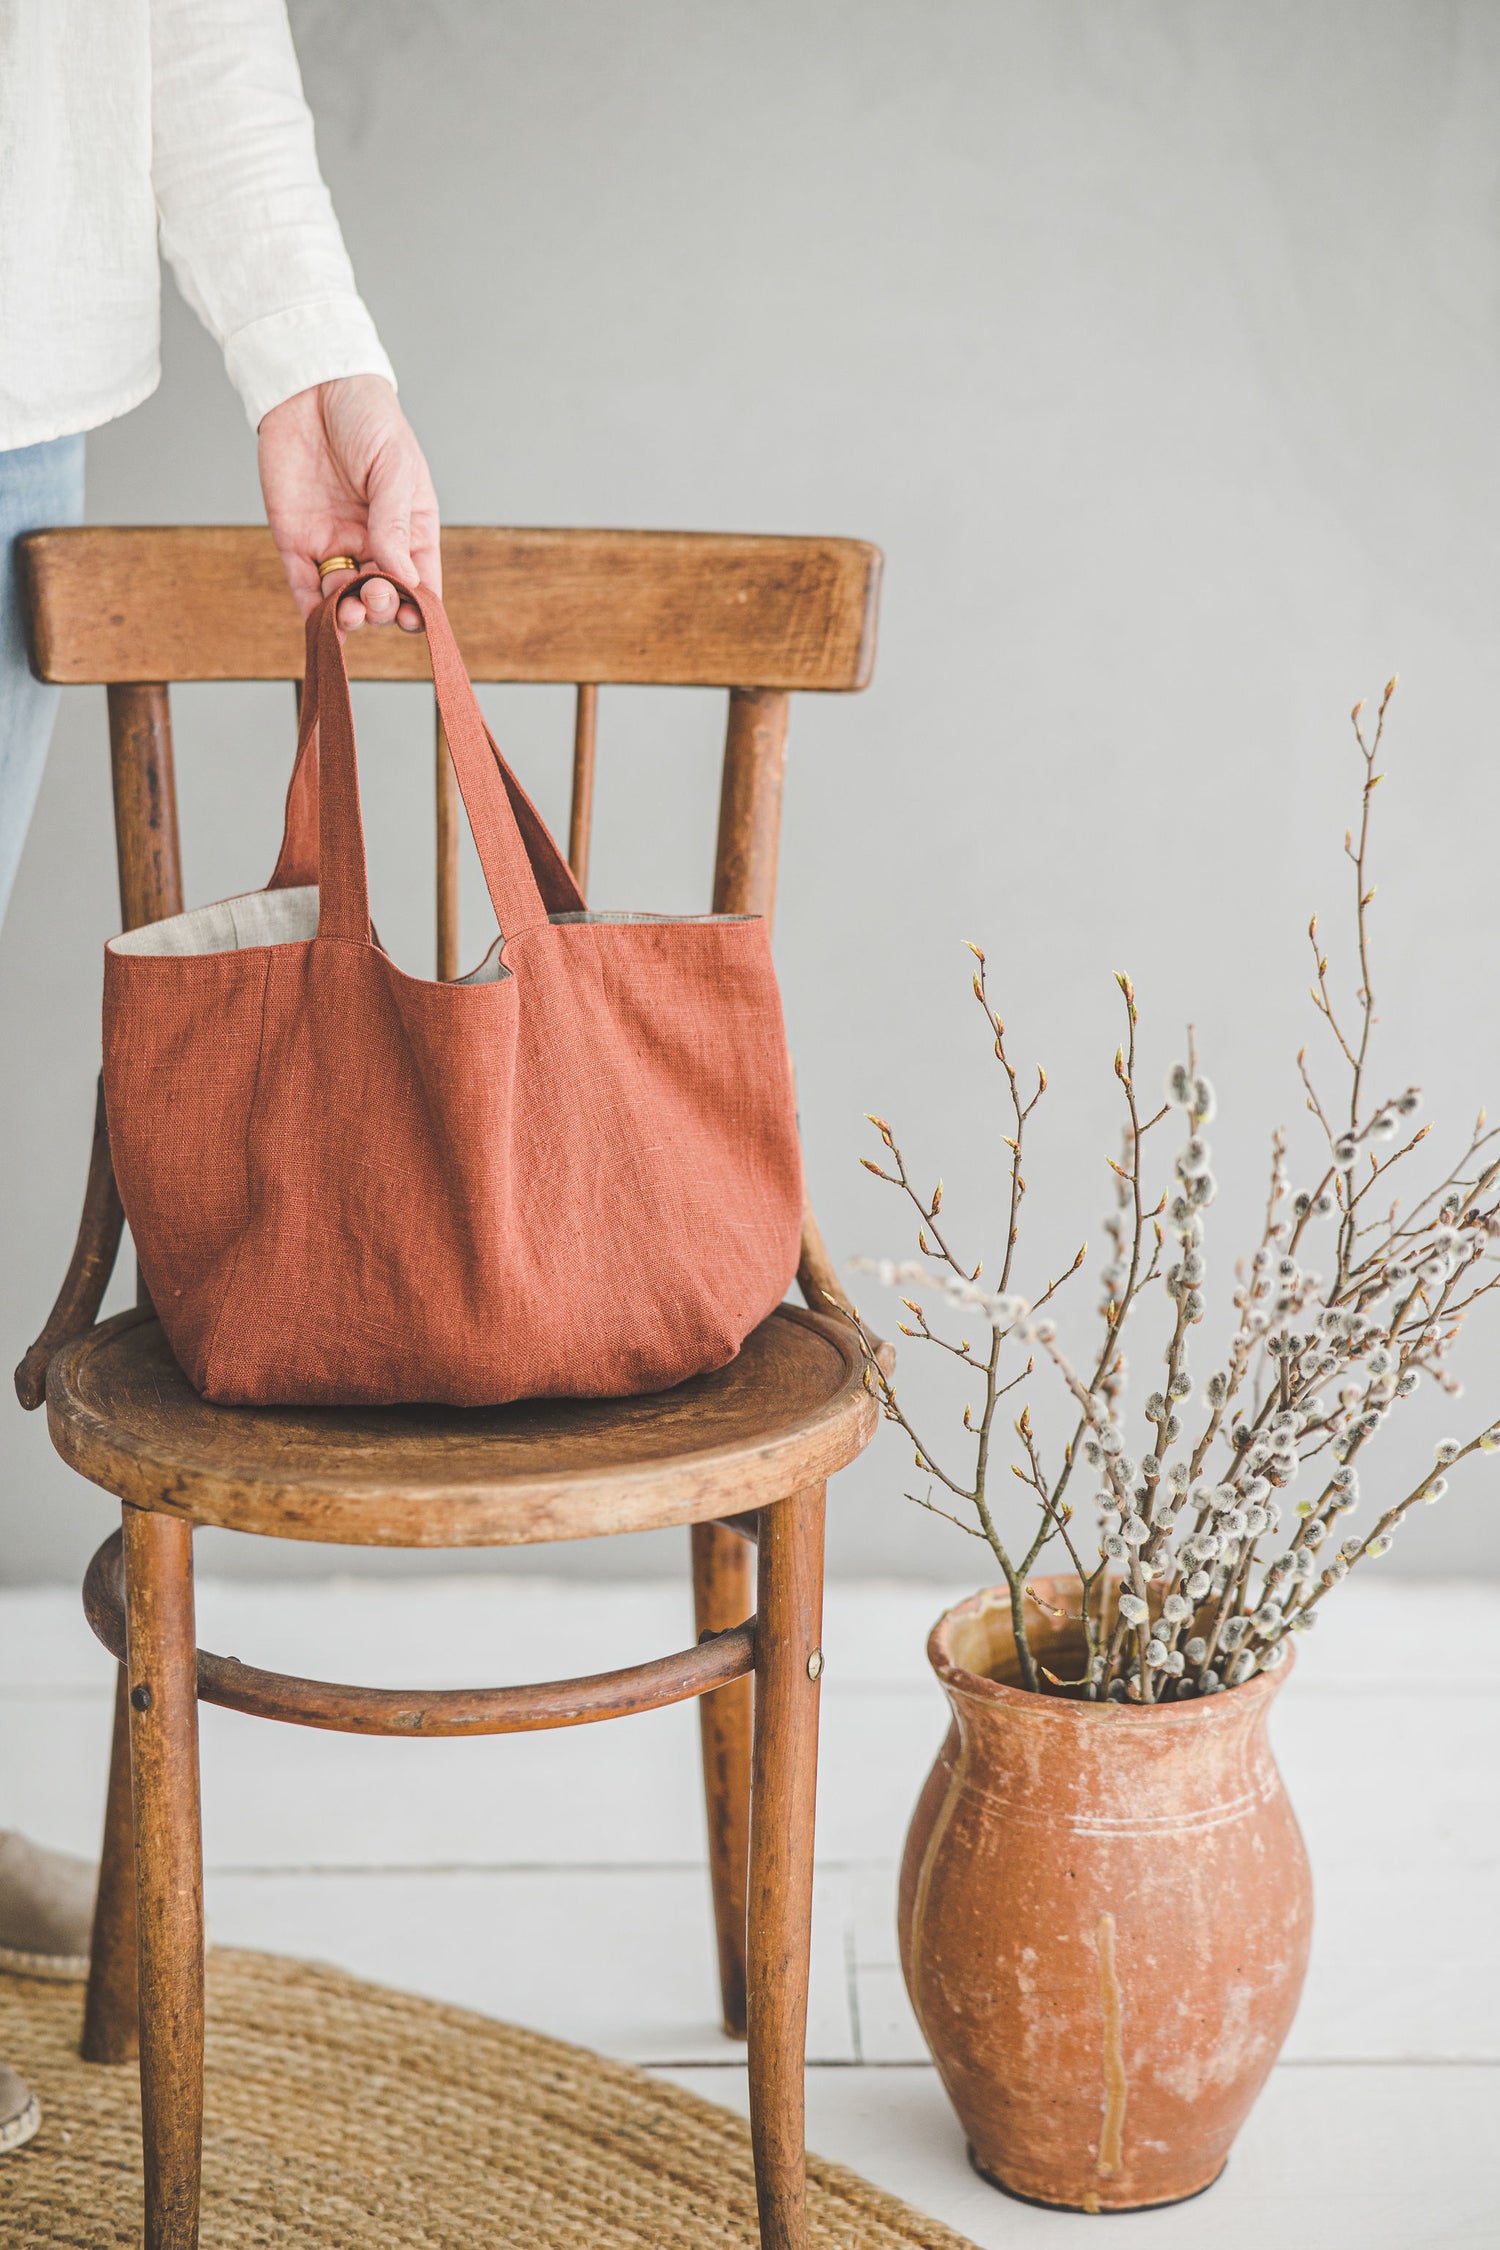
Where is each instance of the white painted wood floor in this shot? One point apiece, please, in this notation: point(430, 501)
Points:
point(558, 1879)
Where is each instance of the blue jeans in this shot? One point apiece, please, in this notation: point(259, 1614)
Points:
point(40, 485)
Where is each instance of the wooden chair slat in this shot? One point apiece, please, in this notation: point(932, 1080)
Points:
point(700, 609)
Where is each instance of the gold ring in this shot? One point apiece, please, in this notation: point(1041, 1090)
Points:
point(338, 562)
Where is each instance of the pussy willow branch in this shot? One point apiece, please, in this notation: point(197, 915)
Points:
point(1362, 898)
point(1021, 1110)
point(1331, 1360)
point(1478, 1140)
point(927, 1212)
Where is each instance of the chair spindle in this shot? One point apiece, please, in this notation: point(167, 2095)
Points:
point(580, 824)
point(147, 849)
point(140, 757)
point(750, 802)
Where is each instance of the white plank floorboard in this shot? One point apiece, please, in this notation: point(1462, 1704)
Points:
point(559, 1879)
point(631, 1791)
point(472, 1628)
point(1330, 2159)
point(621, 1959)
point(1399, 1801)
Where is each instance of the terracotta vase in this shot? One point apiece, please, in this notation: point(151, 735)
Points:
point(1105, 1914)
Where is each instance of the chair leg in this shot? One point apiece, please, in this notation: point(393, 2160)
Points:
point(722, 1597)
point(168, 1868)
point(788, 1663)
point(111, 2008)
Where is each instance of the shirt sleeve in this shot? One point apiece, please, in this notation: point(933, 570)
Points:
point(247, 225)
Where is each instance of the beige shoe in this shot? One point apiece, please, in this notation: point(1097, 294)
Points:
point(46, 1911)
point(20, 2112)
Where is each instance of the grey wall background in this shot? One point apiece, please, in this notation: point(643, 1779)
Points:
point(1158, 347)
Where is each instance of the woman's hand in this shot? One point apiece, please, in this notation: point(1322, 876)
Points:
point(342, 474)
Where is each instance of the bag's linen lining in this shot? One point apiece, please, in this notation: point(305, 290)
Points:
point(290, 917)
point(230, 925)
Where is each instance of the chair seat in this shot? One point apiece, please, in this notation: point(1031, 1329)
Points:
point(788, 1411)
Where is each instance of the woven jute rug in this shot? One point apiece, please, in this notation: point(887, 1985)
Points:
point(341, 2116)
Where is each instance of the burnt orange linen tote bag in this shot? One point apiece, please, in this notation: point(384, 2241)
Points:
point(573, 1173)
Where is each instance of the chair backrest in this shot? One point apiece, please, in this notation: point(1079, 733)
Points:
point(136, 608)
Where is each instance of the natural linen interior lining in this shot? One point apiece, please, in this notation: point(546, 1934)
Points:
point(231, 924)
point(290, 917)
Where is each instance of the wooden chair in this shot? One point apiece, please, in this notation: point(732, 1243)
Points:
point(741, 1455)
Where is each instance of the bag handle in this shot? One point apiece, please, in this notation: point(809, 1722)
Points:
point(323, 839)
point(297, 861)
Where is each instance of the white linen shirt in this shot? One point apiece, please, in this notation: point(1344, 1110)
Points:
point(117, 115)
